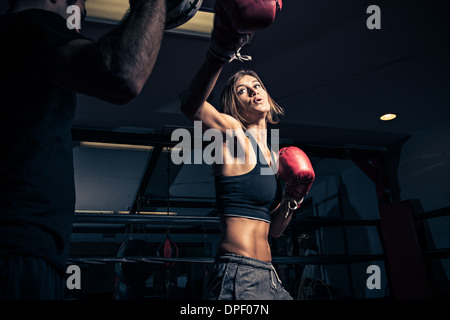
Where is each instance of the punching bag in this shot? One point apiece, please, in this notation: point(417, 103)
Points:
point(168, 249)
point(131, 276)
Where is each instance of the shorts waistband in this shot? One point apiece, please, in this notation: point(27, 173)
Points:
point(235, 258)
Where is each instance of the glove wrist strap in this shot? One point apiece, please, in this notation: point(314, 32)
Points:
point(292, 205)
point(218, 55)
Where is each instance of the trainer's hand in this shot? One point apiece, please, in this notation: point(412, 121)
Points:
point(295, 169)
point(235, 22)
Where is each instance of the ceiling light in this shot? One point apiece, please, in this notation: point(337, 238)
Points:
point(125, 212)
point(95, 211)
point(388, 116)
point(113, 11)
point(121, 146)
point(161, 213)
point(114, 146)
point(200, 25)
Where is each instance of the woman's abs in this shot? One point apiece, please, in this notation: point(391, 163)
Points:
point(245, 237)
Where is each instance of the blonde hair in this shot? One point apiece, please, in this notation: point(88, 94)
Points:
point(230, 104)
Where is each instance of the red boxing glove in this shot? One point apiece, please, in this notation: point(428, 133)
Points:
point(235, 21)
point(295, 169)
point(254, 15)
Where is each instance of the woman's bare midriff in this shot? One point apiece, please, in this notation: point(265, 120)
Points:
point(245, 237)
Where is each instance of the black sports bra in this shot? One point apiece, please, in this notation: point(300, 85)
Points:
point(251, 195)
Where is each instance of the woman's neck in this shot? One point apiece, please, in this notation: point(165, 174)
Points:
point(259, 131)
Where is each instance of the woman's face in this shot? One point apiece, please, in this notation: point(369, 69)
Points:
point(251, 95)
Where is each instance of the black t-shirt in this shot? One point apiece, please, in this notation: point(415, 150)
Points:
point(37, 192)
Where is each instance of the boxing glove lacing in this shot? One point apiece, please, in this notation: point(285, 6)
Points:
point(242, 58)
point(226, 56)
point(293, 205)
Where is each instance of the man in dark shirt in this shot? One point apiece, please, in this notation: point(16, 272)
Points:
point(43, 64)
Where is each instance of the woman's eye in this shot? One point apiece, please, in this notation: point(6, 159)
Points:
point(242, 91)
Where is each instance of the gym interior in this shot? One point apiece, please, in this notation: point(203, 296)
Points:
point(375, 222)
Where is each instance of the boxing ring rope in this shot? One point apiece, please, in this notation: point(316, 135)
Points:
point(99, 220)
point(302, 223)
point(121, 218)
point(311, 259)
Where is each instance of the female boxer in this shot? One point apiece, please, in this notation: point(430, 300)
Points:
point(248, 202)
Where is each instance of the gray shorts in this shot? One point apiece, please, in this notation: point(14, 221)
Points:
point(234, 277)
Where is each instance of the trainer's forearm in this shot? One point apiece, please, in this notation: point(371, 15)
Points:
point(129, 52)
point(200, 87)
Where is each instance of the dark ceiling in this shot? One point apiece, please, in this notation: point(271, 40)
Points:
point(333, 75)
